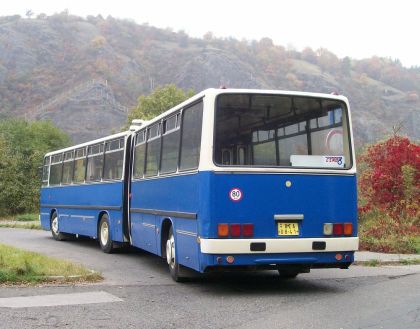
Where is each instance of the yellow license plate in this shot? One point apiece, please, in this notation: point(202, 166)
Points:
point(287, 228)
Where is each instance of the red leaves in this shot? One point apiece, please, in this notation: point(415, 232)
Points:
point(389, 187)
point(392, 179)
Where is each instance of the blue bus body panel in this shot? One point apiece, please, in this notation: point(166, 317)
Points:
point(79, 207)
point(319, 198)
point(173, 194)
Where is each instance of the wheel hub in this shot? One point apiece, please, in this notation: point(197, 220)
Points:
point(170, 251)
point(104, 233)
point(54, 225)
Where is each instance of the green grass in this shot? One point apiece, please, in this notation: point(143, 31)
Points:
point(380, 232)
point(27, 225)
point(410, 261)
point(29, 221)
point(377, 262)
point(27, 218)
point(372, 263)
point(19, 266)
point(415, 243)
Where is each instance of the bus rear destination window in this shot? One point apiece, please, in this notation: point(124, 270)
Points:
point(259, 130)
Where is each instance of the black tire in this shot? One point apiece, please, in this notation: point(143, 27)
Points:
point(288, 274)
point(54, 229)
point(178, 272)
point(104, 237)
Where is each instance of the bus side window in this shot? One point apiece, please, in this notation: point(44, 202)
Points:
point(79, 165)
point(170, 145)
point(67, 168)
point(56, 169)
point(46, 171)
point(95, 162)
point(192, 118)
point(114, 158)
point(139, 155)
point(153, 150)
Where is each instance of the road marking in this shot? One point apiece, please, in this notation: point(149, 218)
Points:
point(59, 300)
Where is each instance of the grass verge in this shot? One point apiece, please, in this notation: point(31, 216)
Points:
point(28, 225)
point(29, 221)
point(27, 218)
point(20, 266)
point(377, 262)
point(381, 232)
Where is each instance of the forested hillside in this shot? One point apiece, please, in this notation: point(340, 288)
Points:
point(83, 74)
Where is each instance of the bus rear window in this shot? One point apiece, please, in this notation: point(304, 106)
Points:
point(281, 131)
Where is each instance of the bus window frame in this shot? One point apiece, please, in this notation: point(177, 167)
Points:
point(151, 139)
point(179, 113)
point(186, 107)
point(74, 164)
point(61, 154)
point(344, 108)
point(92, 181)
point(143, 131)
point(49, 168)
point(177, 127)
point(72, 168)
point(122, 147)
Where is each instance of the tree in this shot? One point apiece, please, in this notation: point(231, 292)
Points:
point(309, 55)
point(327, 60)
point(345, 66)
point(159, 101)
point(29, 13)
point(22, 147)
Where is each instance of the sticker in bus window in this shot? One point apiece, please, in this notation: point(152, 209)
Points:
point(318, 161)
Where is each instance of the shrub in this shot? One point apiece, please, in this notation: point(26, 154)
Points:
point(389, 196)
point(391, 178)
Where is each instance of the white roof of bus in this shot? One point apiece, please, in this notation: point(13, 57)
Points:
point(99, 140)
point(215, 92)
point(209, 92)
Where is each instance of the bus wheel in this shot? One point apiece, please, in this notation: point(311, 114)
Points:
point(177, 271)
point(104, 237)
point(288, 274)
point(54, 228)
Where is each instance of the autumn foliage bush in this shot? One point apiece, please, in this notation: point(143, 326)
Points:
point(389, 194)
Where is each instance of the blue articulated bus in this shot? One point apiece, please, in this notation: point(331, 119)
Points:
point(229, 179)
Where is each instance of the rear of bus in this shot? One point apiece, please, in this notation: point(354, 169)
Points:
point(282, 182)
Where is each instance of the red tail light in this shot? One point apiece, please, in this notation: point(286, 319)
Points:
point(248, 230)
point(338, 229)
point(235, 230)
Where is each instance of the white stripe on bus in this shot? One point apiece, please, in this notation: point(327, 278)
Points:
point(281, 245)
point(186, 233)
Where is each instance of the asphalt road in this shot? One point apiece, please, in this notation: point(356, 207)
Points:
point(144, 296)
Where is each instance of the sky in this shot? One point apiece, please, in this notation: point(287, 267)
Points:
point(354, 28)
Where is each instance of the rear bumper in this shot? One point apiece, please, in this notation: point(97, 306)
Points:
point(295, 245)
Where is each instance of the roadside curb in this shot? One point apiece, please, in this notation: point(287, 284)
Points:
point(375, 258)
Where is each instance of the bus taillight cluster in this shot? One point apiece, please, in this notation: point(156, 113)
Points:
point(338, 229)
point(235, 230)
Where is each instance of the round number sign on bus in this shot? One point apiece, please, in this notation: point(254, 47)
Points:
point(235, 194)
